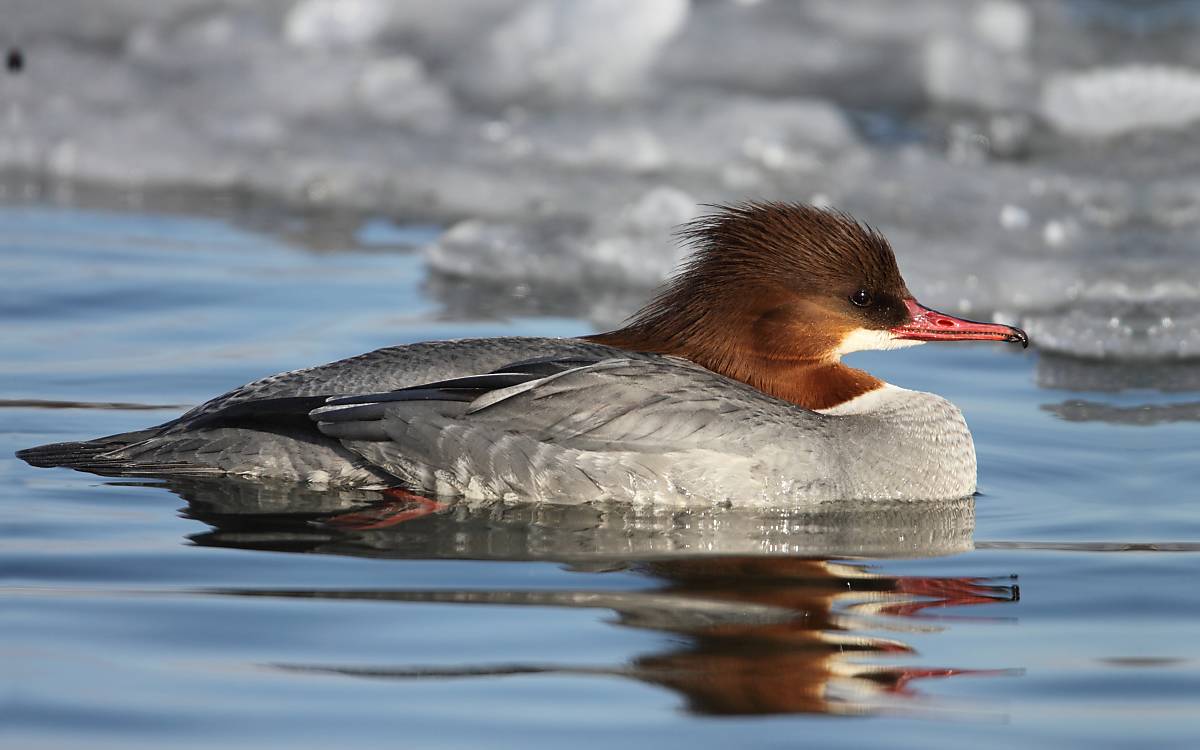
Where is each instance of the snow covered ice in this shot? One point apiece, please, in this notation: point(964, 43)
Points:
point(1034, 161)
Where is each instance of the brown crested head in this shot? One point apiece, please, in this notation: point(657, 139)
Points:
point(773, 295)
point(803, 277)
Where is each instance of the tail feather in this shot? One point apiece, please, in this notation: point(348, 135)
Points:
point(107, 456)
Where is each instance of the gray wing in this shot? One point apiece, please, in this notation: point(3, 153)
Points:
point(262, 429)
point(659, 430)
point(395, 367)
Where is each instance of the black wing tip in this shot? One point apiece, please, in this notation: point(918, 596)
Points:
point(58, 454)
point(88, 457)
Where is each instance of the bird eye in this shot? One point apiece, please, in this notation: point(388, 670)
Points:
point(862, 298)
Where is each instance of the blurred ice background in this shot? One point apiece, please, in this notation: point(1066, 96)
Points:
point(1034, 161)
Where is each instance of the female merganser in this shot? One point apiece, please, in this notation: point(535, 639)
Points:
point(726, 388)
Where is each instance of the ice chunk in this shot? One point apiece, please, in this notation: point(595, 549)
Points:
point(1004, 24)
point(504, 251)
point(984, 63)
point(1111, 101)
point(957, 69)
point(634, 247)
point(879, 20)
point(398, 90)
point(563, 139)
point(601, 273)
point(697, 132)
point(326, 24)
point(797, 49)
point(203, 43)
point(573, 50)
point(639, 246)
point(437, 30)
point(1013, 217)
point(1119, 331)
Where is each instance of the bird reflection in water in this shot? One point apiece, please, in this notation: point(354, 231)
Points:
point(771, 612)
point(820, 659)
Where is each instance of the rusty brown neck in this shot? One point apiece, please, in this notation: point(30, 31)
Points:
point(813, 383)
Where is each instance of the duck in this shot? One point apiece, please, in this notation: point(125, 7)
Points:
point(727, 388)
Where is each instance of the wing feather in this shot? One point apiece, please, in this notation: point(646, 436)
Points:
point(590, 430)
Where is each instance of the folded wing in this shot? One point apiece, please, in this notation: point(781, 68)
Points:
point(573, 430)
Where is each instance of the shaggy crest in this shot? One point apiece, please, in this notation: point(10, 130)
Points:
point(810, 248)
point(764, 298)
point(746, 251)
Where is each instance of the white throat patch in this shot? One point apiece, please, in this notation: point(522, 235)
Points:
point(863, 339)
point(871, 401)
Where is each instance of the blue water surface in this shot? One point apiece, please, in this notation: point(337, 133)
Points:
point(1060, 610)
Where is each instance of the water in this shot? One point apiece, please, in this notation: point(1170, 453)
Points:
point(1060, 609)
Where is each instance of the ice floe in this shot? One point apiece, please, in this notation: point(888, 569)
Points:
point(1031, 160)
